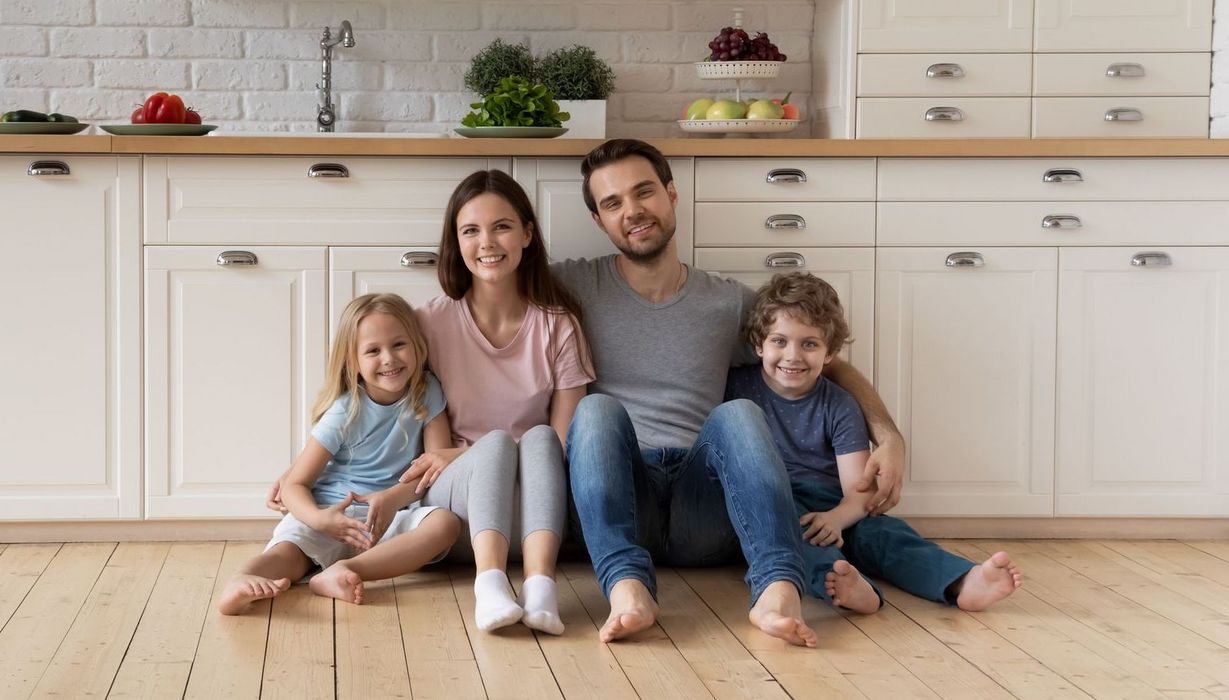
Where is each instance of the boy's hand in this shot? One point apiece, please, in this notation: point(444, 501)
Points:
point(334, 522)
point(886, 466)
point(381, 509)
point(821, 530)
point(428, 465)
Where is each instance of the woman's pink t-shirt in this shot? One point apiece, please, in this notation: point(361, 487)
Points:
point(508, 388)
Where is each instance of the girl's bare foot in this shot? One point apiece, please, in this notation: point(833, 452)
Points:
point(848, 589)
point(244, 589)
point(778, 613)
point(988, 583)
point(632, 609)
point(339, 582)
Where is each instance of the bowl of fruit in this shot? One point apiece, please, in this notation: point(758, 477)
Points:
point(736, 55)
point(763, 116)
point(161, 114)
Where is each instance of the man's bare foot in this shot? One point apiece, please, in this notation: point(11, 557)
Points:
point(244, 589)
point(988, 583)
point(848, 589)
point(632, 609)
point(778, 613)
point(339, 582)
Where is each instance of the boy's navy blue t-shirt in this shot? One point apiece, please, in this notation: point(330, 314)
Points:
point(809, 432)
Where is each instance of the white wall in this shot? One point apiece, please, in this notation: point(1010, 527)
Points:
point(1220, 70)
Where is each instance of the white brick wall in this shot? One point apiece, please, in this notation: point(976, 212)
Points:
point(252, 64)
point(1220, 70)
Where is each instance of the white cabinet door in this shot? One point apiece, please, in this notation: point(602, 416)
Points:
point(913, 26)
point(410, 272)
point(235, 354)
point(1143, 382)
point(70, 404)
point(1123, 25)
point(966, 367)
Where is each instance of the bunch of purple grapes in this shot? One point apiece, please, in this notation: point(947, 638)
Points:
point(736, 45)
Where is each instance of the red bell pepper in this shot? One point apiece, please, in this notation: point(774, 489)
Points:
point(161, 108)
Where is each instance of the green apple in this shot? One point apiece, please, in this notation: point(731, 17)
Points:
point(697, 109)
point(726, 109)
point(765, 109)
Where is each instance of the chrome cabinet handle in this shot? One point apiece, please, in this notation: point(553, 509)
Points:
point(419, 259)
point(965, 259)
point(48, 167)
point(1151, 259)
point(1062, 175)
point(944, 70)
point(944, 114)
point(779, 175)
point(785, 260)
point(780, 221)
point(1061, 221)
point(328, 170)
point(230, 258)
point(1125, 70)
point(1123, 114)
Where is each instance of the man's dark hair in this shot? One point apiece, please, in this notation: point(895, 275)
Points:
point(616, 150)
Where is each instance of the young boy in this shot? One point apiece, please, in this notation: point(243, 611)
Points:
point(797, 327)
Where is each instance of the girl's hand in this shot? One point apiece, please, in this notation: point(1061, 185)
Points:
point(428, 466)
point(334, 522)
point(821, 530)
point(380, 513)
point(273, 500)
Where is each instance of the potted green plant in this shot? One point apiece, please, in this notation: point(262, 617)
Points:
point(497, 61)
point(581, 82)
point(516, 101)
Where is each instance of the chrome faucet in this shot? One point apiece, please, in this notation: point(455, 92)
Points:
point(326, 116)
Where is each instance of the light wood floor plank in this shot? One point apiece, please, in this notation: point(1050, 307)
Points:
point(436, 645)
point(1217, 548)
point(20, 567)
point(160, 657)
point(299, 657)
point(35, 631)
point(370, 655)
point(230, 657)
point(1173, 559)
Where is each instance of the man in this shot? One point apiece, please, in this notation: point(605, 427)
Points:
point(660, 468)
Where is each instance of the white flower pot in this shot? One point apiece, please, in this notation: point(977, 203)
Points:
point(588, 119)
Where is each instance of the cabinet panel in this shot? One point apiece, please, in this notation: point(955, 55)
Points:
point(410, 272)
point(785, 224)
point(972, 117)
point(1123, 25)
point(1138, 117)
point(1162, 74)
point(944, 25)
point(785, 179)
point(934, 75)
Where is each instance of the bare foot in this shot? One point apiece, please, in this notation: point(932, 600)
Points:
point(339, 582)
point(988, 583)
point(632, 609)
point(244, 589)
point(778, 613)
point(848, 589)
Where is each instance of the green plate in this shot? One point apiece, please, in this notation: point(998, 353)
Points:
point(511, 132)
point(42, 127)
point(157, 129)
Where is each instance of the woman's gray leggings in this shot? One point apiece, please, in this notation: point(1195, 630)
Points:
point(482, 487)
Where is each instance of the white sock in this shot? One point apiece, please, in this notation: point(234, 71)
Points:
point(494, 606)
point(541, 603)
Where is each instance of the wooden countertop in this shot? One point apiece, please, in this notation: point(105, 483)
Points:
point(711, 147)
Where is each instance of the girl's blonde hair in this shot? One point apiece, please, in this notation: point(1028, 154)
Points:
point(342, 376)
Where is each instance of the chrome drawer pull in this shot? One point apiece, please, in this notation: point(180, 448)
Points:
point(780, 221)
point(944, 114)
point(1061, 221)
point(945, 70)
point(236, 257)
point(48, 167)
point(1123, 114)
point(328, 170)
point(785, 260)
point(1125, 70)
point(778, 175)
point(1151, 259)
point(1062, 175)
point(419, 259)
point(965, 259)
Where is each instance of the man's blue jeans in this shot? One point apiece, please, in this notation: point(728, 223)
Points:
point(683, 507)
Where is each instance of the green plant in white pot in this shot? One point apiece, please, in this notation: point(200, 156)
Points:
point(581, 83)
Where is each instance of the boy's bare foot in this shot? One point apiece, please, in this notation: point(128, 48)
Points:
point(340, 582)
point(632, 609)
point(988, 583)
point(244, 589)
point(848, 589)
point(778, 613)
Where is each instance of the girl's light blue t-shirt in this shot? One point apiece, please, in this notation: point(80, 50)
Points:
point(375, 449)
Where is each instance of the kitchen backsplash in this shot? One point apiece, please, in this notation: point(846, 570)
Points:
point(252, 64)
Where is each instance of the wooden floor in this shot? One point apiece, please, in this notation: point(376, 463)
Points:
point(1106, 619)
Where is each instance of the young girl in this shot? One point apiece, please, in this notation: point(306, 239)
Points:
point(506, 344)
point(349, 514)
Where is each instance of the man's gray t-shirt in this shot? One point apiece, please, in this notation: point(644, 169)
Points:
point(666, 363)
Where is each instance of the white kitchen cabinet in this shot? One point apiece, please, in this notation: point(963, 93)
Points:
point(1143, 381)
point(1123, 25)
point(966, 367)
point(235, 346)
point(353, 272)
point(915, 26)
point(943, 117)
point(70, 407)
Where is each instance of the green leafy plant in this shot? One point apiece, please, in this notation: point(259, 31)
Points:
point(516, 102)
point(576, 73)
point(498, 61)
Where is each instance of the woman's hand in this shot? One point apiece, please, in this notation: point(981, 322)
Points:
point(821, 529)
point(381, 509)
point(334, 522)
point(428, 466)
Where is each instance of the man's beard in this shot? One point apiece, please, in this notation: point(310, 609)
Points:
point(648, 256)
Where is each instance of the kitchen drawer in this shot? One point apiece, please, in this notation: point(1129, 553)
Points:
point(978, 117)
point(273, 200)
point(1052, 179)
point(1085, 74)
point(1123, 25)
point(913, 26)
point(1086, 117)
point(920, 75)
point(1021, 223)
point(785, 224)
point(785, 179)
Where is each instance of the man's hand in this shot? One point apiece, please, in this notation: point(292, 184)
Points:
point(821, 529)
point(381, 509)
point(273, 500)
point(428, 465)
point(334, 522)
point(886, 467)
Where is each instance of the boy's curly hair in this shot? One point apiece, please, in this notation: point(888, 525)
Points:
point(805, 297)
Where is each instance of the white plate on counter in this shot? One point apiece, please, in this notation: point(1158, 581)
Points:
point(738, 126)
